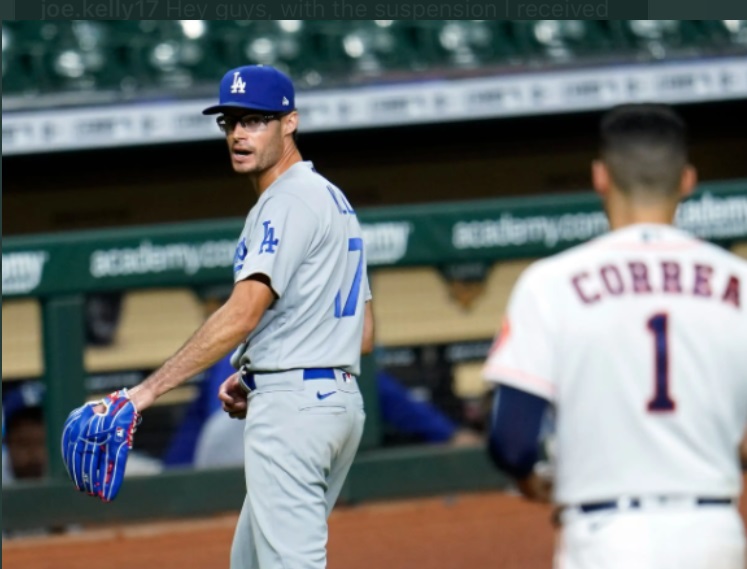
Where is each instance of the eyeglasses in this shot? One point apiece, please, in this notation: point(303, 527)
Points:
point(252, 122)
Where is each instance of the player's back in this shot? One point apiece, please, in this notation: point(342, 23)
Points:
point(305, 236)
point(651, 354)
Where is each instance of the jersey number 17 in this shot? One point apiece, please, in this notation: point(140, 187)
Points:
point(355, 245)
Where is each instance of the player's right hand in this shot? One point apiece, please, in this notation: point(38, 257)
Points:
point(233, 397)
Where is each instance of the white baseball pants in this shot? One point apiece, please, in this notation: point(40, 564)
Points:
point(702, 537)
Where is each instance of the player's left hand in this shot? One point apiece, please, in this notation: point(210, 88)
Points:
point(233, 397)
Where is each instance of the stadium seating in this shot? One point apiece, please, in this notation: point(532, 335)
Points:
point(658, 37)
point(564, 40)
point(142, 56)
point(159, 53)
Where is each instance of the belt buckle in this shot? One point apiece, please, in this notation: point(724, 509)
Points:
point(246, 379)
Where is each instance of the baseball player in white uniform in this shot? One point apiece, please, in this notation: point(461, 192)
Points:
point(301, 316)
point(637, 341)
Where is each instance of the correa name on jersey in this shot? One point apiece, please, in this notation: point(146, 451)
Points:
point(637, 277)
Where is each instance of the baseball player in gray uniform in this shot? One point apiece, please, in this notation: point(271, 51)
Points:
point(301, 316)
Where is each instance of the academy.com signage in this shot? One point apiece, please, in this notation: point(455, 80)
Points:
point(712, 217)
point(23, 271)
point(386, 243)
point(149, 258)
point(511, 231)
point(420, 235)
point(707, 216)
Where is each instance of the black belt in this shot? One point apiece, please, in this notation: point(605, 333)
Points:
point(635, 503)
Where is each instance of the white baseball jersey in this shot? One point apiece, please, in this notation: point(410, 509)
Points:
point(304, 235)
point(640, 339)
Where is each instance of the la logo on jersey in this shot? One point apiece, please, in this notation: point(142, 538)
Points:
point(238, 85)
point(239, 256)
point(269, 243)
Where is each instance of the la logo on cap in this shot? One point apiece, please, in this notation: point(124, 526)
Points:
point(238, 85)
point(286, 102)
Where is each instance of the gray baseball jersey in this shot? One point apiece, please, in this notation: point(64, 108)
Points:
point(304, 235)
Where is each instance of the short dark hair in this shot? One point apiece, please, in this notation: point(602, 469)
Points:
point(645, 148)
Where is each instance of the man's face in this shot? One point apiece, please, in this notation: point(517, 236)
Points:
point(27, 449)
point(255, 141)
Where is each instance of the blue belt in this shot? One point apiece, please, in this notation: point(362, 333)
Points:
point(636, 503)
point(246, 377)
point(318, 373)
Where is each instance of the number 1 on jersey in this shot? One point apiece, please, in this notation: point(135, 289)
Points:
point(351, 304)
point(662, 401)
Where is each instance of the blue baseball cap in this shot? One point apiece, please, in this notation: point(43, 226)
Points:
point(255, 88)
point(26, 396)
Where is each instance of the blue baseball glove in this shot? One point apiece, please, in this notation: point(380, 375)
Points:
point(95, 446)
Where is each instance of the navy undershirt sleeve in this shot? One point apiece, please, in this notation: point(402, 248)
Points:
point(515, 427)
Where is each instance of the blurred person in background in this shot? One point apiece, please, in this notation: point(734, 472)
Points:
point(102, 313)
point(6, 460)
point(215, 442)
point(25, 453)
point(638, 338)
point(25, 438)
point(421, 420)
point(207, 438)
